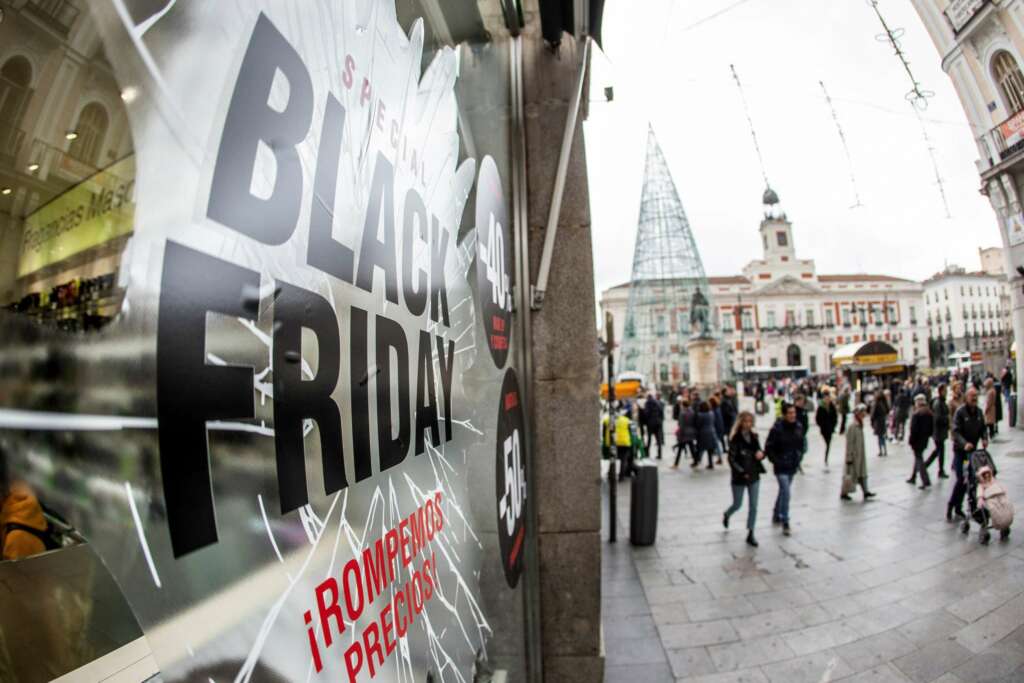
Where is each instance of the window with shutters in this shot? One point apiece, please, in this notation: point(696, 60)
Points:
point(1011, 83)
point(91, 131)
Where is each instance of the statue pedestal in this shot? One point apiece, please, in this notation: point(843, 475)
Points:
point(703, 356)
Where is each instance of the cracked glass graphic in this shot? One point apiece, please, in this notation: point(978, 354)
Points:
point(312, 173)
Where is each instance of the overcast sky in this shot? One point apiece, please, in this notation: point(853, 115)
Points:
point(674, 74)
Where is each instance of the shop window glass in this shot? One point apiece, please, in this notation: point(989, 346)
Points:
point(1011, 83)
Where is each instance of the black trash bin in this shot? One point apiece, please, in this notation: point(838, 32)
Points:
point(643, 505)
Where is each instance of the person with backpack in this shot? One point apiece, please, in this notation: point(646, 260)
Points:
point(969, 433)
point(826, 418)
point(922, 427)
point(785, 449)
point(745, 456)
point(23, 527)
point(686, 432)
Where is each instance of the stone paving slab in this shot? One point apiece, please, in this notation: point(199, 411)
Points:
point(882, 591)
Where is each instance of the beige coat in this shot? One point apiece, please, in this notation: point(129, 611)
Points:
point(990, 406)
point(856, 463)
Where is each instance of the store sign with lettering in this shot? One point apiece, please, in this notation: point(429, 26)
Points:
point(90, 214)
point(960, 12)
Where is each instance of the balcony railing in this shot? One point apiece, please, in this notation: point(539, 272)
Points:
point(1006, 139)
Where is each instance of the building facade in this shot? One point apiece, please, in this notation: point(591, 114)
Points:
point(780, 312)
point(967, 312)
point(981, 45)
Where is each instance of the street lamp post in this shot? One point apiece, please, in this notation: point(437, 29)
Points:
point(743, 340)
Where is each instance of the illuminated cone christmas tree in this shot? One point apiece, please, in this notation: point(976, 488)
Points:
point(667, 272)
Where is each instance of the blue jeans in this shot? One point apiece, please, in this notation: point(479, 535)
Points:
point(737, 501)
point(781, 511)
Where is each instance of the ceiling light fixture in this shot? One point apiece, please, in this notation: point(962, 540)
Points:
point(70, 135)
point(6, 191)
point(33, 167)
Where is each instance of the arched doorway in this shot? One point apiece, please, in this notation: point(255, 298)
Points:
point(793, 355)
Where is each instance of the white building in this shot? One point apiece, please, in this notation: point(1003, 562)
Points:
point(781, 312)
point(967, 312)
point(981, 47)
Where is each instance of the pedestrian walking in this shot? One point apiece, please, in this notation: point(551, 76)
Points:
point(941, 415)
point(903, 403)
point(720, 436)
point(654, 414)
point(686, 432)
point(730, 410)
point(624, 443)
point(990, 407)
point(856, 472)
point(639, 415)
point(922, 427)
point(826, 418)
point(707, 437)
point(968, 434)
point(956, 399)
point(785, 448)
point(844, 407)
point(745, 456)
point(879, 418)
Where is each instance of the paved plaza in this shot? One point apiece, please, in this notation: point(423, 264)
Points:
point(883, 591)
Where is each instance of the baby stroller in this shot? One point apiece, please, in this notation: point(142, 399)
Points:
point(988, 501)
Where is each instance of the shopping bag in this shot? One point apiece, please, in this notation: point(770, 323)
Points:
point(849, 485)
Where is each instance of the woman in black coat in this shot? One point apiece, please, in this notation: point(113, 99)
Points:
point(827, 417)
point(879, 417)
point(745, 456)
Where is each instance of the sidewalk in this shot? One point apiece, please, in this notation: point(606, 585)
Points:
point(879, 591)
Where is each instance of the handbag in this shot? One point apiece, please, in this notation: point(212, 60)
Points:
point(849, 485)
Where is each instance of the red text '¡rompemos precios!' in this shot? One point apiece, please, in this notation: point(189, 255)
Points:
point(365, 578)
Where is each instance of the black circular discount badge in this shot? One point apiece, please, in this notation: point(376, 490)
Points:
point(510, 479)
point(494, 261)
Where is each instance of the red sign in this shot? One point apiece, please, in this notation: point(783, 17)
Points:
point(1011, 128)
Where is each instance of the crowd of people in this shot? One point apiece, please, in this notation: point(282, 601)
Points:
point(925, 412)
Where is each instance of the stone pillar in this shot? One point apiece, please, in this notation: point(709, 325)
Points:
point(702, 354)
point(564, 386)
point(1005, 200)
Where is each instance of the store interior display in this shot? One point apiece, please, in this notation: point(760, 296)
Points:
point(79, 305)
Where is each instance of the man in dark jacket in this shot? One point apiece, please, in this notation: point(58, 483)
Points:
point(940, 413)
point(968, 434)
point(922, 426)
point(654, 416)
point(785, 449)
